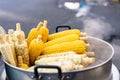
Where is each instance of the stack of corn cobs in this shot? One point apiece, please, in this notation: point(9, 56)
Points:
point(66, 49)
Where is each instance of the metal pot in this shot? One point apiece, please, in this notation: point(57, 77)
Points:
point(99, 70)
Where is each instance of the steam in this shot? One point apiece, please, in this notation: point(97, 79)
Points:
point(97, 27)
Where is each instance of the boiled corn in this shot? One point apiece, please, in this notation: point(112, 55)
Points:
point(68, 53)
point(21, 49)
point(66, 38)
point(75, 58)
point(90, 54)
point(7, 38)
point(11, 43)
point(44, 31)
point(33, 33)
point(86, 61)
point(78, 46)
point(65, 32)
point(35, 49)
point(21, 64)
point(12, 37)
point(6, 51)
point(77, 61)
point(19, 31)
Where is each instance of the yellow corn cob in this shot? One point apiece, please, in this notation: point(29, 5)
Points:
point(19, 31)
point(21, 64)
point(63, 33)
point(21, 49)
point(78, 46)
point(35, 49)
point(34, 32)
point(44, 31)
point(66, 38)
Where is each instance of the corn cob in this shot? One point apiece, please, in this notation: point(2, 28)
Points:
point(66, 32)
point(21, 49)
point(11, 43)
point(68, 53)
point(6, 51)
point(62, 64)
point(34, 32)
point(44, 31)
point(76, 61)
point(9, 39)
point(35, 48)
point(90, 54)
point(84, 38)
point(78, 46)
point(66, 38)
point(2, 31)
point(75, 58)
point(12, 37)
point(19, 31)
point(79, 66)
point(86, 61)
point(2, 50)
point(21, 64)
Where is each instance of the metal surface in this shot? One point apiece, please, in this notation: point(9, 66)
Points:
point(58, 27)
point(29, 13)
point(40, 77)
point(115, 74)
point(99, 70)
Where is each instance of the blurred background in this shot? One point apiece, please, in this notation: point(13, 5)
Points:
point(98, 18)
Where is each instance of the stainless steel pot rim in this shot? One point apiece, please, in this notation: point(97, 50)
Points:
point(87, 68)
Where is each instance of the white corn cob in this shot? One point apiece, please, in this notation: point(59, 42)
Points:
point(19, 31)
point(12, 37)
point(6, 51)
point(11, 43)
point(68, 53)
point(22, 49)
point(75, 58)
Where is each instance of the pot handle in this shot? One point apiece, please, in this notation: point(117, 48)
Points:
point(62, 27)
point(36, 74)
